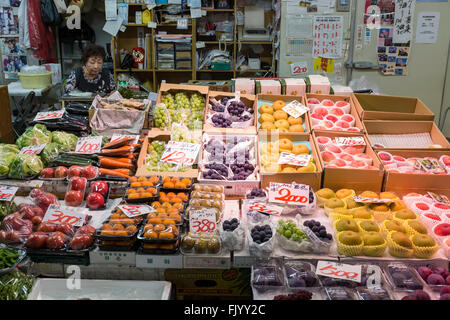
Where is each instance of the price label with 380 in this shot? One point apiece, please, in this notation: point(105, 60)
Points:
point(203, 220)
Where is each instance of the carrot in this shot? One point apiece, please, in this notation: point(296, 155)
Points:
point(123, 148)
point(118, 143)
point(124, 160)
point(124, 171)
point(108, 172)
point(122, 151)
point(107, 163)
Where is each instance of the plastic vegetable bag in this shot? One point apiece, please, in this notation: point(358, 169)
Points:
point(161, 117)
point(261, 250)
point(8, 153)
point(291, 237)
point(34, 136)
point(232, 240)
point(67, 141)
point(50, 152)
point(15, 285)
point(24, 166)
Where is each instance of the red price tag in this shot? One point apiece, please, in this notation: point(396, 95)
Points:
point(89, 145)
point(289, 193)
point(300, 160)
point(202, 221)
point(135, 210)
point(32, 150)
point(371, 200)
point(339, 270)
point(350, 141)
point(49, 115)
point(180, 153)
point(62, 214)
point(7, 192)
point(266, 208)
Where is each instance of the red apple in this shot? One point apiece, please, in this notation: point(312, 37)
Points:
point(442, 229)
point(73, 198)
point(89, 172)
point(100, 187)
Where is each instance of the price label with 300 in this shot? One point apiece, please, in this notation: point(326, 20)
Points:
point(32, 150)
point(266, 208)
point(289, 193)
point(339, 270)
point(135, 210)
point(180, 153)
point(89, 145)
point(7, 192)
point(295, 109)
point(202, 221)
point(63, 214)
point(299, 160)
point(49, 115)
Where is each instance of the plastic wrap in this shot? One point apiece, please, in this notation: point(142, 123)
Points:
point(8, 153)
point(36, 135)
point(200, 244)
point(267, 275)
point(233, 240)
point(264, 249)
point(292, 237)
point(300, 274)
point(25, 166)
point(15, 285)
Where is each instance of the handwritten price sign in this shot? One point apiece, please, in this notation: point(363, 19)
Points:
point(339, 270)
point(180, 153)
point(7, 192)
point(62, 214)
point(132, 211)
point(49, 115)
point(117, 136)
point(266, 208)
point(295, 109)
point(289, 193)
point(203, 220)
point(32, 150)
point(300, 160)
point(350, 141)
point(371, 200)
point(299, 68)
point(89, 145)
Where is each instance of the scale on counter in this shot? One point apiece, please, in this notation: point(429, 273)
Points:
point(254, 29)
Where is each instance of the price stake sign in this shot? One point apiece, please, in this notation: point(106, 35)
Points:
point(132, 211)
point(371, 200)
point(7, 192)
point(49, 115)
point(350, 141)
point(117, 136)
point(89, 145)
point(202, 220)
point(32, 150)
point(289, 193)
point(180, 153)
point(63, 214)
point(295, 109)
point(300, 160)
point(339, 271)
point(266, 208)
point(298, 68)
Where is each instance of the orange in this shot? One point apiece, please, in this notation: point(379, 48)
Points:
point(174, 216)
point(127, 221)
point(180, 185)
point(170, 194)
point(166, 179)
point(151, 234)
point(156, 204)
point(114, 216)
point(140, 190)
point(169, 221)
point(147, 184)
point(178, 206)
point(148, 227)
point(151, 246)
point(168, 185)
point(123, 216)
point(166, 205)
point(155, 221)
point(130, 229)
point(133, 196)
point(131, 191)
point(108, 232)
point(154, 180)
point(175, 179)
point(133, 179)
point(152, 190)
point(161, 210)
point(142, 179)
point(151, 215)
point(161, 193)
point(173, 211)
point(106, 226)
point(166, 235)
point(163, 215)
point(182, 196)
point(159, 227)
point(177, 200)
point(164, 199)
point(147, 195)
point(136, 185)
point(186, 181)
point(121, 233)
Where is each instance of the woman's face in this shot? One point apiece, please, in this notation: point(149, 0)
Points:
point(94, 65)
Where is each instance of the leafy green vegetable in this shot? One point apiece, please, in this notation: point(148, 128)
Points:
point(9, 148)
point(67, 141)
point(24, 166)
point(6, 208)
point(15, 285)
point(34, 136)
point(8, 153)
point(50, 152)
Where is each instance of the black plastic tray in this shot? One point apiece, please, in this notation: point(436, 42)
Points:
point(142, 200)
point(157, 241)
point(99, 236)
point(181, 223)
point(22, 254)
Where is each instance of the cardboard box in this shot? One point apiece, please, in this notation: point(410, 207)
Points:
point(213, 85)
point(356, 179)
point(312, 179)
point(376, 127)
point(143, 172)
point(248, 99)
point(381, 107)
point(335, 98)
point(316, 83)
point(341, 90)
point(268, 87)
point(287, 99)
point(293, 86)
point(175, 88)
point(231, 283)
point(404, 183)
point(244, 85)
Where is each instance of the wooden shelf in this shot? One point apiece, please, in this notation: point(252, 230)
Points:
point(253, 70)
point(209, 70)
point(134, 70)
point(171, 25)
point(173, 70)
point(135, 25)
point(255, 42)
point(219, 10)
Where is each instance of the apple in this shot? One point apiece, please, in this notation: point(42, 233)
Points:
point(95, 200)
point(100, 187)
point(327, 156)
point(77, 183)
point(75, 171)
point(321, 110)
point(48, 173)
point(73, 198)
point(61, 172)
point(337, 112)
point(342, 124)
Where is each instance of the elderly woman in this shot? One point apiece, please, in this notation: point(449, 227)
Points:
point(91, 77)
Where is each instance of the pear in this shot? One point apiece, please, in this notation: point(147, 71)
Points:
point(369, 194)
point(398, 205)
point(379, 207)
point(372, 239)
point(401, 239)
point(350, 238)
point(417, 226)
point(423, 240)
point(369, 226)
point(352, 204)
point(405, 214)
point(311, 167)
point(346, 225)
point(361, 214)
point(343, 193)
point(334, 203)
point(326, 193)
point(393, 225)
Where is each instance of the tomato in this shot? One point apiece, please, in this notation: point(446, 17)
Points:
point(61, 172)
point(38, 212)
point(27, 212)
point(73, 198)
point(81, 241)
point(56, 240)
point(48, 173)
point(86, 230)
point(37, 240)
point(89, 172)
point(95, 200)
point(47, 227)
point(2, 236)
point(36, 192)
point(77, 183)
point(36, 220)
point(65, 228)
point(74, 171)
point(100, 187)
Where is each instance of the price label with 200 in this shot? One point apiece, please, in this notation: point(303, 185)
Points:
point(136, 210)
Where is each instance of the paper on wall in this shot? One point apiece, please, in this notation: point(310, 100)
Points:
point(312, 6)
point(327, 37)
point(196, 13)
point(113, 26)
point(427, 27)
point(299, 27)
point(111, 10)
point(404, 15)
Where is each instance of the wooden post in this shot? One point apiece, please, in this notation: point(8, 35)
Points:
point(6, 130)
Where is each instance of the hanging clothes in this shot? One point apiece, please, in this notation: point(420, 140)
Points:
point(41, 36)
point(24, 35)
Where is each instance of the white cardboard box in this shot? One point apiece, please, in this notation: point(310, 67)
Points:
point(113, 257)
point(159, 261)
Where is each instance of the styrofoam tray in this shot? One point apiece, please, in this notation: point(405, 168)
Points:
point(59, 289)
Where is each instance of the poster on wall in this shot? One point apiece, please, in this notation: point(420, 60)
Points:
point(327, 37)
point(12, 65)
point(392, 58)
point(9, 23)
point(9, 46)
point(403, 21)
point(384, 8)
point(427, 27)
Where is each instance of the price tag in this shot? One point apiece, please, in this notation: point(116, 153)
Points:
point(289, 193)
point(339, 270)
point(299, 68)
point(7, 192)
point(180, 153)
point(182, 23)
point(117, 136)
point(89, 145)
point(135, 210)
point(63, 214)
point(196, 262)
point(48, 115)
point(266, 208)
point(300, 160)
point(295, 109)
point(32, 150)
point(203, 220)
point(151, 25)
point(371, 200)
point(350, 141)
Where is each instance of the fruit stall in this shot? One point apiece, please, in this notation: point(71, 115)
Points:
point(219, 194)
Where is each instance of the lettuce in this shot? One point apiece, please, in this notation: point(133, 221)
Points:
point(34, 136)
point(8, 153)
point(67, 141)
point(24, 166)
point(50, 152)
